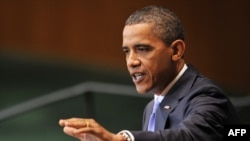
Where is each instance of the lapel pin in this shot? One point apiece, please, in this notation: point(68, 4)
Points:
point(166, 107)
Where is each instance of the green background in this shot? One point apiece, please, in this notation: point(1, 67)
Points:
point(23, 79)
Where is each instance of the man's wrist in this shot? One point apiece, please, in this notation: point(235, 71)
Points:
point(127, 135)
point(120, 138)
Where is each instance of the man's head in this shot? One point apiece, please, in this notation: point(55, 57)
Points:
point(167, 25)
point(154, 47)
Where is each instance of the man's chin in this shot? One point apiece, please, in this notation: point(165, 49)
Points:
point(141, 90)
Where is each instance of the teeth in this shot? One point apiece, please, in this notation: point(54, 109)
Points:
point(138, 75)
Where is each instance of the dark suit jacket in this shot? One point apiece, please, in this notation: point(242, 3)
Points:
point(195, 109)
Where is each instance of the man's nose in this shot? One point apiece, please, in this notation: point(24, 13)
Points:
point(133, 60)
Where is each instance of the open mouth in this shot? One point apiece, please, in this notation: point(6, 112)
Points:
point(137, 77)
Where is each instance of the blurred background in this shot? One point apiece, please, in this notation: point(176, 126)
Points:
point(50, 45)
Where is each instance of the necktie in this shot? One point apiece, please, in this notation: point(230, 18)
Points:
point(151, 124)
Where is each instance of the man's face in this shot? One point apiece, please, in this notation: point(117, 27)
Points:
point(149, 59)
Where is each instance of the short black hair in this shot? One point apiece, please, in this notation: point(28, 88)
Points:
point(166, 24)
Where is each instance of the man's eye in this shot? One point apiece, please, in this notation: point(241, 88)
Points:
point(143, 49)
point(125, 50)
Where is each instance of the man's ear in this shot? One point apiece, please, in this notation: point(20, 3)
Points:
point(178, 47)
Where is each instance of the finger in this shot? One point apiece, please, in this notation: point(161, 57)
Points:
point(99, 132)
point(84, 130)
point(66, 122)
point(69, 131)
point(78, 122)
point(62, 122)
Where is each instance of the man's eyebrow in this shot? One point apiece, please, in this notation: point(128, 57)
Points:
point(139, 45)
point(143, 45)
point(124, 47)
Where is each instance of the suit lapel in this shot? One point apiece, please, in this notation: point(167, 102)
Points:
point(166, 106)
point(163, 112)
point(147, 113)
point(171, 100)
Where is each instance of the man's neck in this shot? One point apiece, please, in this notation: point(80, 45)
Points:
point(171, 84)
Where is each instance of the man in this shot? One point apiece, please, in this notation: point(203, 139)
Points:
point(192, 107)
